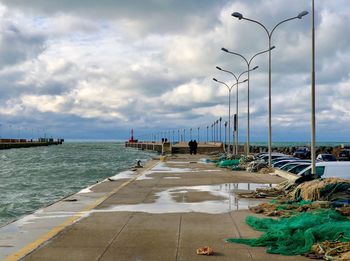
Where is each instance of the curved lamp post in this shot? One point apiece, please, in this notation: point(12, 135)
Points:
point(237, 83)
point(207, 133)
point(269, 35)
point(229, 110)
point(248, 62)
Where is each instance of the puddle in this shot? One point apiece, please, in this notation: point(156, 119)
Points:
point(161, 167)
point(166, 200)
point(172, 200)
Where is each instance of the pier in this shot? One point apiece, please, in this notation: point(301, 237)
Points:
point(23, 143)
point(163, 211)
point(218, 147)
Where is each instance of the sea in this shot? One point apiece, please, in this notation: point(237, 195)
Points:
point(32, 178)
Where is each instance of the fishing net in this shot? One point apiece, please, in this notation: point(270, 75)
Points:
point(324, 189)
point(295, 235)
point(286, 208)
point(228, 163)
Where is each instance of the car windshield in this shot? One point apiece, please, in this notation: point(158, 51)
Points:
point(281, 163)
point(328, 157)
point(289, 166)
point(299, 168)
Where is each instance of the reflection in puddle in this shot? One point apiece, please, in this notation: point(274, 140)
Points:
point(161, 167)
point(166, 200)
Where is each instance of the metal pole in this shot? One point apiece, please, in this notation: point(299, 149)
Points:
point(270, 114)
point(207, 133)
point(248, 114)
point(190, 133)
point(225, 133)
point(229, 122)
point(237, 118)
point(198, 135)
point(313, 109)
point(220, 129)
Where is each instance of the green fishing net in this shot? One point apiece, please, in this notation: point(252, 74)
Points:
point(228, 163)
point(296, 234)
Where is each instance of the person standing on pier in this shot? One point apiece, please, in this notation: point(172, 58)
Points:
point(190, 144)
point(194, 147)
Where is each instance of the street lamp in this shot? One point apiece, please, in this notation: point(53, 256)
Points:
point(269, 34)
point(248, 92)
point(220, 129)
point(313, 85)
point(229, 108)
point(237, 83)
point(207, 133)
point(225, 133)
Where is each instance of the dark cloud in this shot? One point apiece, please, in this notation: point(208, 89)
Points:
point(17, 46)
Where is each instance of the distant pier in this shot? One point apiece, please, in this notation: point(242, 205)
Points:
point(176, 148)
point(212, 147)
point(24, 143)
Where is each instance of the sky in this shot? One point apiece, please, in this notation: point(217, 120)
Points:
point(87, 69)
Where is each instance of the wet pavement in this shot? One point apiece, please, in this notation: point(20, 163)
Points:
point(162, 212)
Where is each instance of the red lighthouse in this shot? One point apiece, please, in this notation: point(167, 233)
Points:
point(132, 136)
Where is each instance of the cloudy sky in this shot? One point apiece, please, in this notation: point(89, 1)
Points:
point(87, 69)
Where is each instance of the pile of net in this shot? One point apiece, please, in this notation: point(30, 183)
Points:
point(323, 189)
point(228, 163)
point(331, 250)
point(297, 234)
point(266, 170)
point(280, 190)
point(287, 208)
point(255, 166)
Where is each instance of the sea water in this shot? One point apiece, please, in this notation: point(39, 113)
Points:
point(31, 178)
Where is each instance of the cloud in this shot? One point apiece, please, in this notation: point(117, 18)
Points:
point(122, 64)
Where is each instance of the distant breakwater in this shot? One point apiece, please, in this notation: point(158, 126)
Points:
point(20, 143)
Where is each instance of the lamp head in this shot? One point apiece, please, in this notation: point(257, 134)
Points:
point(256, 67)
point(219, 68)
point(224, 49)
point(237, 15)
point(215, 79)
point(303, 13)
point(272, 47)
point(245, 80)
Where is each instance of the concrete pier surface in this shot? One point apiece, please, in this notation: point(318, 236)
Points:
point(164, 211)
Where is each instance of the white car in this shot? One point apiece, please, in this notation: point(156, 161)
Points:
point(338, 169)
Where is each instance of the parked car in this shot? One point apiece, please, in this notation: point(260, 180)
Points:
point(344, 154)
point(296, 169)
point(326, 157)
point(292, 164)
point(280, 163)
point(282, 158)
point(302, 153)
point(273, 156)
point(329, 169)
